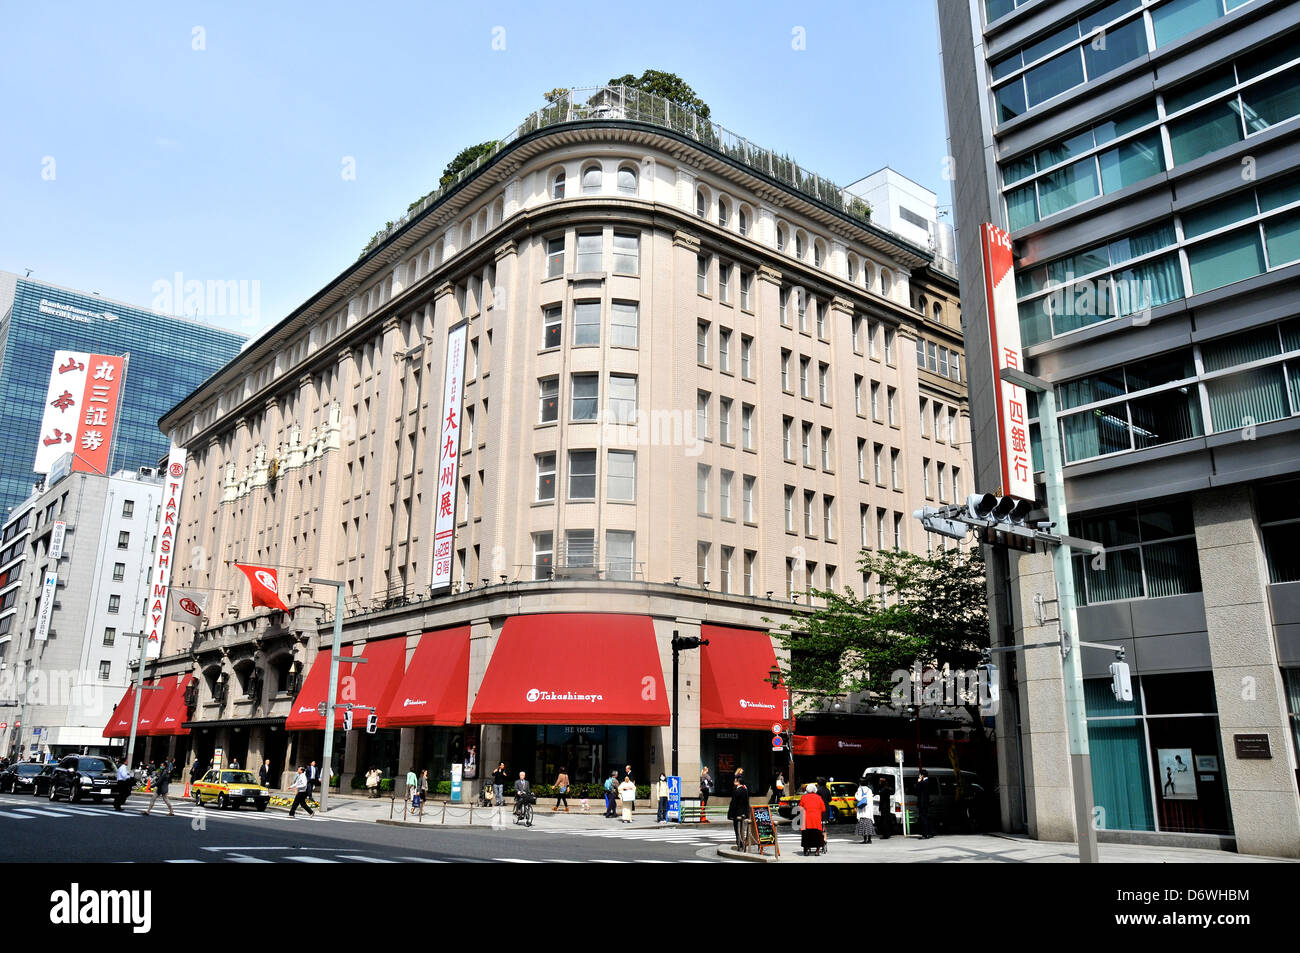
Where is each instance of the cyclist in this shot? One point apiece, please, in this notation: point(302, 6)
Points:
point(523, 794)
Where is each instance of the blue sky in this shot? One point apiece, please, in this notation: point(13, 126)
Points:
point(130, 155)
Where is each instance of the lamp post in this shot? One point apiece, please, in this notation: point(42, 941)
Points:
point(680, 644)
point(139, 694)
point(328, 754)
point(774, 679)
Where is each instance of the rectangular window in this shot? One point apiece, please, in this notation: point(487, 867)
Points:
point(826, 449)
point(857, 334)
point(898, 530)
point(956, 485)
point(701, 564)
point(586, 396)
point(548, 409)
point(789, 509)
point(724, 494)
point(821, 320)
point(622, 398)
point(787, 438)
point(862, 459)
point(857, 393)
point(751, 558)
point(725, 555)
point(552, 322)
point(943, 361)
point(105, 669)
point(881, 528)
point(724, 283)
point(702, 274)
point(114, 603)
point(702, 474)
point(110, 636)
point(804, 364)
point(702, 414)
point(809, 513)
point(956, 367)
point(724, 420)
point(925, 407)
point(123, 540)
point(864, 518)
point(623, 324)
point(890, 334)
point(785, 371)
point(724, 350)
point(747, 357)
point(589, 252)
point(747, 426)
point(128, 509)
point(620, 554)
point(828, 518)
point(875, 401)
point(119, 572)
point(545, 477)
point(879, 454)
point(920, 353)
point(627, 253)
point(582, 474)
point(925, 468)
point(801, 304)
point(893, 407)
point(543, 554)
point(746, 285)
point(893, 470)
point(940, 472)
point(785, 307)
point(620, 475)
point(807, 445)
point(580, 548)
point(747, 499)
point(555, 257)
point(823, 383)
point(1224, 259)
point(702, 342)
point(586, 323)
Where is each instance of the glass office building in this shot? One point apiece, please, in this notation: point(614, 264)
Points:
point(169, 358)
point(1144, 156)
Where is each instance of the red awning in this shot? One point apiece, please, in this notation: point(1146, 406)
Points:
point(880, 750)
point(735, 667)
point(371, 684)
point(119, 725)
point(574, 669)
point(435, 688)
point(169, 714)
point(155, 701)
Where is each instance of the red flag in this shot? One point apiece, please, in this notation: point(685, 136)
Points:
point(264, 585)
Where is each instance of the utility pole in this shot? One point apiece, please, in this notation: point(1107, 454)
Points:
point(679, 645)
point(328, 755)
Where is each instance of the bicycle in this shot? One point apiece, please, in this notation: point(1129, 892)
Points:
point(524, 809)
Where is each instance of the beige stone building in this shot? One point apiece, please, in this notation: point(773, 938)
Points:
point(698, 380)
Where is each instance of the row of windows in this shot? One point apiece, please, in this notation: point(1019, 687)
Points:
point(1215, 110)
point(944, 422)
point(703, 340)
point(584, 394)
point(620, 476)
point(938, 359)
point(1236, 237)
point(580, 552)
point(590, 253)
point(587, 324)
point(1150, 551)
point(726, 506)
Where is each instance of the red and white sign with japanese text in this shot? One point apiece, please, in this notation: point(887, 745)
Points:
point(81, 408)
point(1004, 346)
point(165, 551)
point(453, 390)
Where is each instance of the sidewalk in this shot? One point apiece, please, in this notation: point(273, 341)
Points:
point(986, 848)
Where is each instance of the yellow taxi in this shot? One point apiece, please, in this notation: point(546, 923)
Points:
point(843, 803)
point(230, 789)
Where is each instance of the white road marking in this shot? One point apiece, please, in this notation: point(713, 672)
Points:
point(191, 861)
point(515, 860)
point(366, 860)
point(16, 817)
point(42, 812)
point(307, 859)
point(422, 860)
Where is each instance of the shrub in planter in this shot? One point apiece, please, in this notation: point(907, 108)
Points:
point(385, 785)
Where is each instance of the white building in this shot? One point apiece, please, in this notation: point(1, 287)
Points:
point(911, 210)
point(66, 686)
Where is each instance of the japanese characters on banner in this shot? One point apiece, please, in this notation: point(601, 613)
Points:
point(46, 609)
point(57, 536)
point(449, 456)
point(81, 407)
point(173, 481)
point(1004, 346)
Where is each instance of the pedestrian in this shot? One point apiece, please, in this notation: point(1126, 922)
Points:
point(372, 782)
point(197, 770)
point(778, 788)
point(627, 771)
point(234, 764)
point(865, 799)
point(924, 788)
point(313, 778)
point(562, 791)
point(627, 794)
point(824, 792)
point(499, 779)
point(264, 774)
point(523, 791)
point(885, 816)
point(161, 780)
point(611, 794)
point(413, 788)
point(301, 786)
point(424, 788)
point(738, 809)
point(661, 791)
point(122, 790)
point(706, 788)
point(813, 837)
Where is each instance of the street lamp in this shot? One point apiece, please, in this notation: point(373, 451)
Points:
point(774, 679)
point(680, 644)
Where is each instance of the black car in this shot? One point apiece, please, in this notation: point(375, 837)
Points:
point(83, 775)
point(26, 777)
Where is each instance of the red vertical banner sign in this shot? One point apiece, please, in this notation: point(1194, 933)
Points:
point(165, 550)
point(99, 414)
point(81, 407)
point(1017, 470)
point(449, 456)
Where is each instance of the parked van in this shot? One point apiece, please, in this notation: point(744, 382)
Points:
point(948, 812)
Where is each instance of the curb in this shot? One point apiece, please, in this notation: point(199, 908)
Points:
point(730, 853)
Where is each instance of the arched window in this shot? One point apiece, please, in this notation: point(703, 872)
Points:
point(466, 234)
point(938, 312)
point(819, 253)
point(724, 212)
point(591, 179)
point(498, 213)
point(921, 303)
point(627, 179)
point(853, 269)
point(742, 220)
point(800, 245)
point(885, 282)
point(868, 275)
point(782, 237)
point(701, 203)
point(557, 185)
point(481, 224)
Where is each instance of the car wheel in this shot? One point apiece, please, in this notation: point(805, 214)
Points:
point(222, 803)
point(198, 799)
point(75, 797)
point(834, 815)
point(261, 806)
point(54, 793)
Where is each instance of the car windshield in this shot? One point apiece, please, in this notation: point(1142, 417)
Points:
point(95, 764)
point(843, 789)
point(237, 777)
point(29, 770)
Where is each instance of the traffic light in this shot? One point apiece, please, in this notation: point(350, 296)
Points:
point(980, 505)
point(372, 723)
point(933, 523)
point(1121, 683)
point(347, 719)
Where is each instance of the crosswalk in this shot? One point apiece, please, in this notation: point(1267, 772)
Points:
point(16, 811)
point(300, 855)
point(693, 836)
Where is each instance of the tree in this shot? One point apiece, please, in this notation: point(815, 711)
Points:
point(668, 85)
point(464, 159)
point(930, 611)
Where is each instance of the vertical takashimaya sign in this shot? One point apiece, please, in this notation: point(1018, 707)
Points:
point(57, 536)
point(81, 407)
point(453, 391)
point(46, 609)
point(173, 481)
point(1004, 351)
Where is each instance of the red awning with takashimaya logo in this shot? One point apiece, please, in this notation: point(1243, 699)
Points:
point(574, 669)
point(435, 688)
point(735, 667)
point(371, 684)
point(119, 725)
point(167, 714)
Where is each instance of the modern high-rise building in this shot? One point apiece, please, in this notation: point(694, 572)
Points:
point(1144, 156)
point(169, 357)
point(692, 382)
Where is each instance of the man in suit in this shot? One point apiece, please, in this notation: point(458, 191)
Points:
point(264, 774)
point(313, 778)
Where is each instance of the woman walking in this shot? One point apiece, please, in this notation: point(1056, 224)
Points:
point(424, 788)
point(866, 802)
point(372, 782)
point(562, 791)
point(627, 794)
point(661, 792)
point(738, 809)
point(706, 788)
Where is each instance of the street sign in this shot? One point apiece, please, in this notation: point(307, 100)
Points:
point(457, 770)
point(675, 798)
point(785, 709)
point(3, 725)
point(764, 831)
point(777, 729)
point(776, 742)
point(898, 755)
point(37, 731)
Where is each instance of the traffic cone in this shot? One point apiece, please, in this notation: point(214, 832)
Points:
point(186, 795)
point(148, 782)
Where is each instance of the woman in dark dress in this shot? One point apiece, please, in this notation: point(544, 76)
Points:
point(738, 810)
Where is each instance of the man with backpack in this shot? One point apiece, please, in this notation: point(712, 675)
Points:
point(611, 794)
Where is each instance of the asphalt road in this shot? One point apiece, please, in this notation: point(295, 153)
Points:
point(36, 830)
